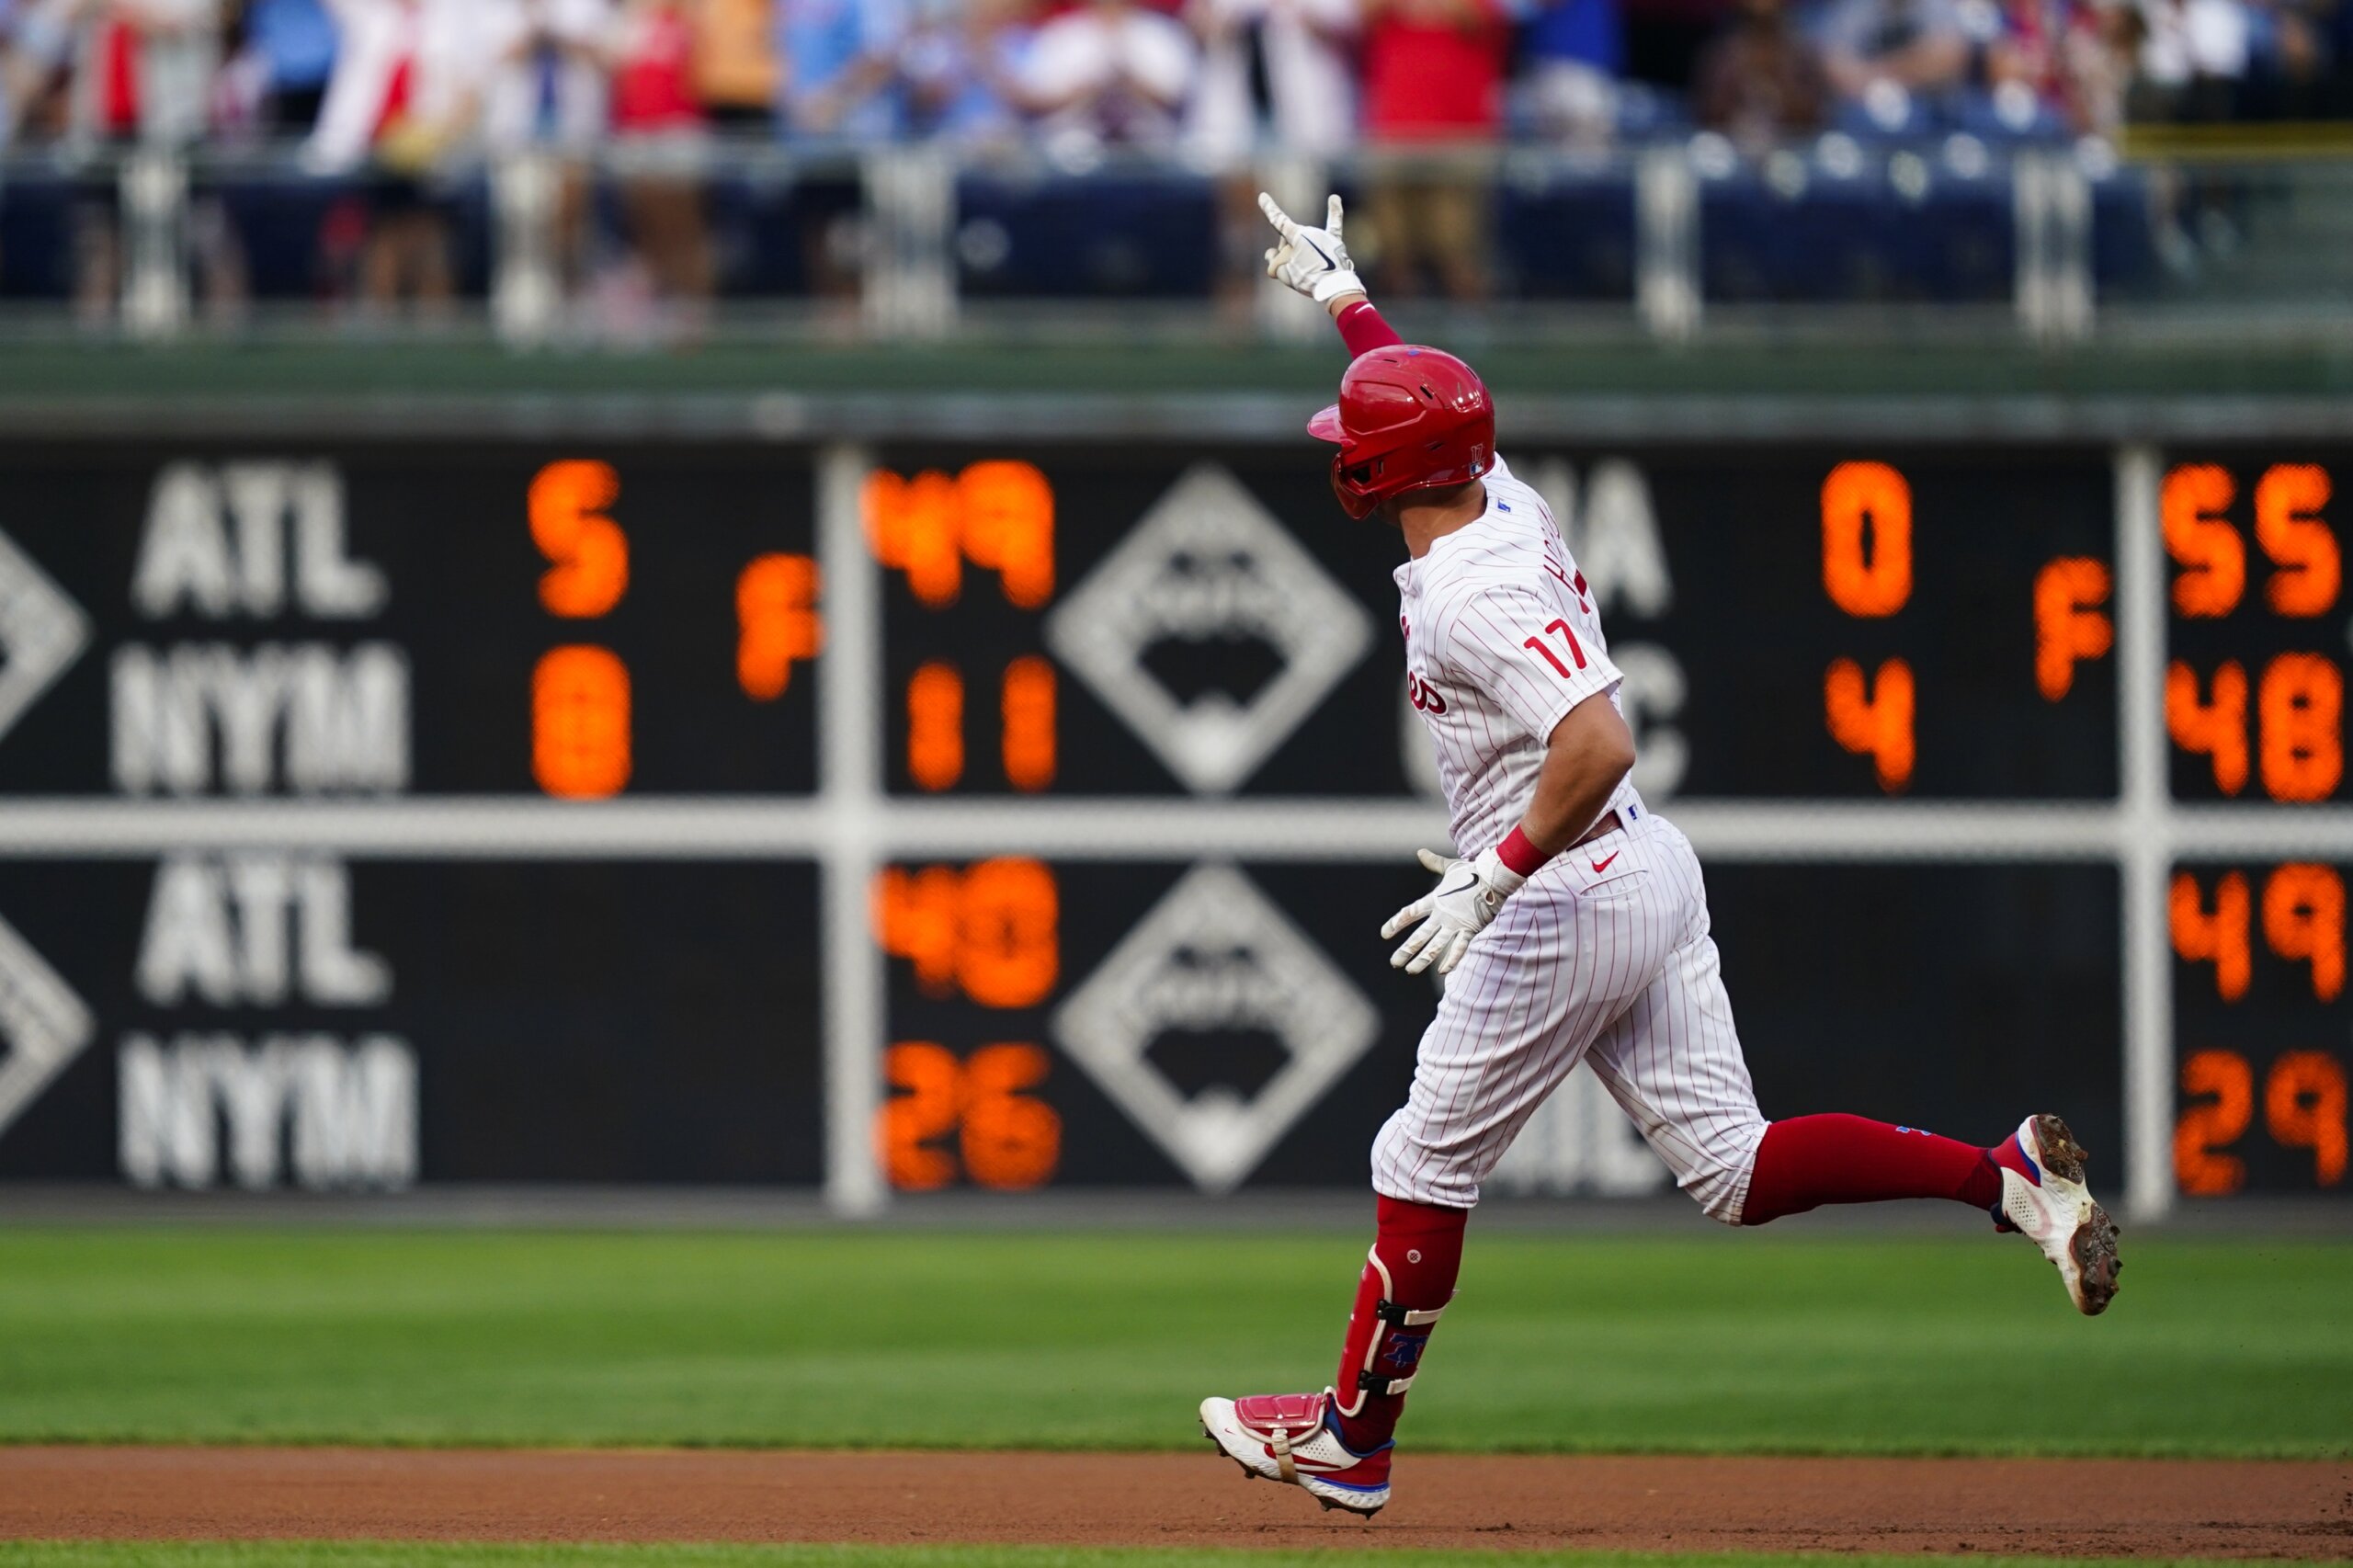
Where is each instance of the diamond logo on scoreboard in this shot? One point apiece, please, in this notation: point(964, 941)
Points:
point(1216, 959)
point(42, 632)
point(43, 1025)
point(1206, 565)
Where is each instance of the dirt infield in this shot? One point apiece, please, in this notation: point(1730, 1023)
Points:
point(2077, 1507)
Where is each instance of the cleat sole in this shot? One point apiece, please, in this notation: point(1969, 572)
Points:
point(2060, 1150)
point(2097, 1262)
point(1332, 1507)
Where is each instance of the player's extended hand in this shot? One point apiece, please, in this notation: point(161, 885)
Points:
point(1312, 261)
point(1468, 895)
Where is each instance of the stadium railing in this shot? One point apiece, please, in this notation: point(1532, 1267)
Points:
point(1673, 240)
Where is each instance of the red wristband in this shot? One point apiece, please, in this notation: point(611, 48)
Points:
point(1520, 854)
point(1363, 330)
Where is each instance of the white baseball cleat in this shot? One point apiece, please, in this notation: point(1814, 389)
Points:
point(2056, 1211)
point(1293, 1437)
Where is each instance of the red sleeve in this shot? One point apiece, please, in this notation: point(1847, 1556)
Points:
point(1363, 331)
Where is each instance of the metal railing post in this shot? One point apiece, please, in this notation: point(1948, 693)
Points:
point(1666, 229)
point(2070, 250)
point(910, 286)
point(2028, 221)
point(2051, 214)
point(152, 188)
point(527, 287)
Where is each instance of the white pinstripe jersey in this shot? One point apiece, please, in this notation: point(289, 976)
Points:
point(1502, 639)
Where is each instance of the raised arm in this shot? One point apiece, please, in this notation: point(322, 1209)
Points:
point(1361, 327)
point(1316, 263)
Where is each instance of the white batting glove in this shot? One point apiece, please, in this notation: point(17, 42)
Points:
point(1468, 895)
point(1312, 261)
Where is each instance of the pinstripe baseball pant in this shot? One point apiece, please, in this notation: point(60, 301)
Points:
point(1604, 956)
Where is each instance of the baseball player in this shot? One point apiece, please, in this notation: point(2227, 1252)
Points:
point(1574, 928)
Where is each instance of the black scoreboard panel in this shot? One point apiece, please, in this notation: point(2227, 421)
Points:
point(1850, 621)
point(1089, 1023)
point(1856, 622)
point(580, 620)
point(2261, 1027)
point(280, 1019)
point(1929, 996)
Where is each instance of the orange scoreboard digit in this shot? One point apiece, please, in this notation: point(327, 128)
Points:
point(994, 517)
point(1867, 572)
point(2254, 677)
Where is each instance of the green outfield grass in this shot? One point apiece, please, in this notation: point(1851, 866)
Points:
point(364, 1554)
point(1733, 1342)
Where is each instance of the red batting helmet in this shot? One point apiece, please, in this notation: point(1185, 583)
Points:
point(1408, 418)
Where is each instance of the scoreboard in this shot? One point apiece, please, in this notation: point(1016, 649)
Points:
point(1757, 588)
point(380, 623)
point(927, 814)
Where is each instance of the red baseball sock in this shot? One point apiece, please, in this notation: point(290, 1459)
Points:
point(1406, 1283)
point(1811, 1160)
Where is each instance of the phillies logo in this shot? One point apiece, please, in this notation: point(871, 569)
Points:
point(1424, 696)
point(1406, 1350)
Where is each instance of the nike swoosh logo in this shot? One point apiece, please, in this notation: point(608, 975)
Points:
point(1605, 864)
point(1310, 244)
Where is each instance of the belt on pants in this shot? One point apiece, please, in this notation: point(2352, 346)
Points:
point(1610, 823)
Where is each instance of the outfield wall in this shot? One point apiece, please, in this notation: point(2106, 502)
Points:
point(879, 796)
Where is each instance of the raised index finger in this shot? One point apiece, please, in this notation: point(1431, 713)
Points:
point(1332, 215)
point(1278, 217)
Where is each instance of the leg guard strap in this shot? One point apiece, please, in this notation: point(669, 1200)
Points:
point(1396, 1316)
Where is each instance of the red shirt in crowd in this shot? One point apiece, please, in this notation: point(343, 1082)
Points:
point(1434, 70)
point(118, 56)
point(653, 87)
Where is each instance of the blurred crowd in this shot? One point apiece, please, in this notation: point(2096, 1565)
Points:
point(1217, 80)
point(396, 89)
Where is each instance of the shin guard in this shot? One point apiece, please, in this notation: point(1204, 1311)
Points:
point(1408, 1278)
